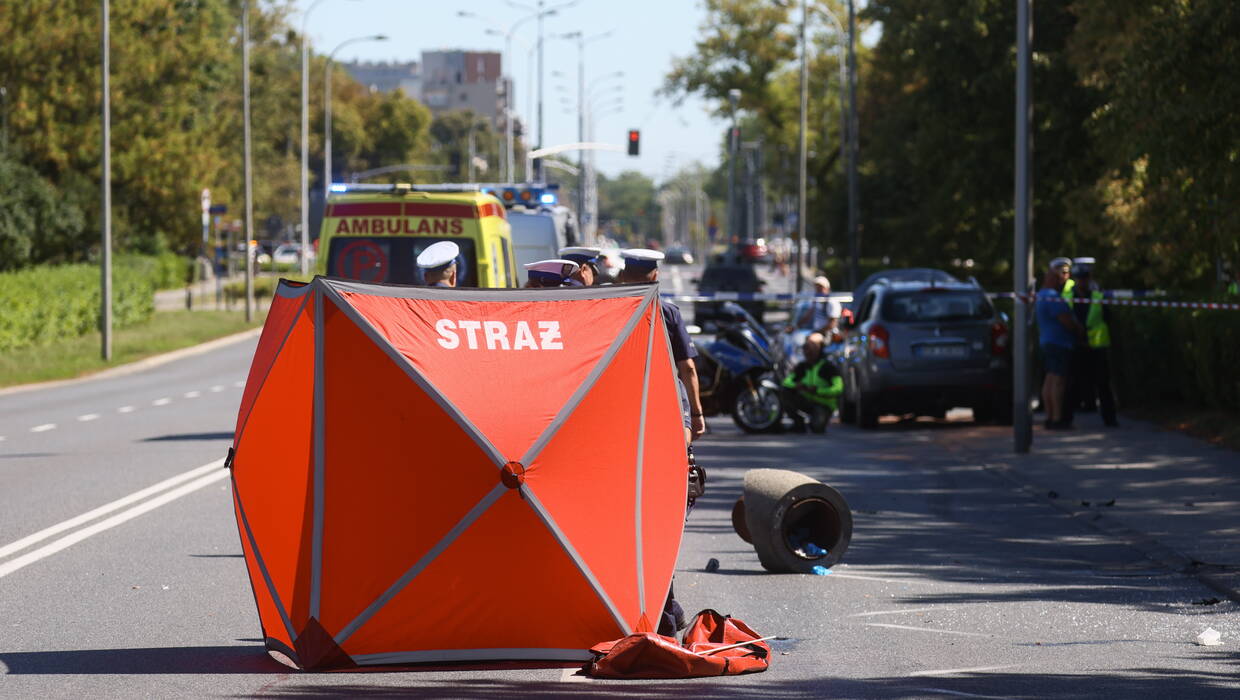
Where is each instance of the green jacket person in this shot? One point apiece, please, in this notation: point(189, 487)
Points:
point(812, 387)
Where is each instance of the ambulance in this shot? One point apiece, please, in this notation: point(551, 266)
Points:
point(374, 233)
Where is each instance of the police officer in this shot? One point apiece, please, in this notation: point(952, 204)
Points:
point(1091, 378)
point(642, 265)
point(438, 264)
point(550, 273)
point(587, 274)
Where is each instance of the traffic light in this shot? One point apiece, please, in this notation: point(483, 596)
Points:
point(635, 141)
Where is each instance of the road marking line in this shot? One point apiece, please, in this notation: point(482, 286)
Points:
point(88, 417)
point(161, 402)
point(193, 394)
point(569, 675)
point(954, 671)
point(927, 629)
point(1, 438)
point(238, 384)
point(894, 612)
point(884, 580)
point(125, 409)
point(106, 508)
point(118, 519)
point(43, 428)
point(217, 388)
point(960, 693)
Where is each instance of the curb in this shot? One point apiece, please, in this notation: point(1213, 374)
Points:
point(1157, 552)
point(138, 365)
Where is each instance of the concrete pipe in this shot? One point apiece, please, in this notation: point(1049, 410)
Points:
point(793, 522)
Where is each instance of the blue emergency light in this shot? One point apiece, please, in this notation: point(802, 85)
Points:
point(547, 198)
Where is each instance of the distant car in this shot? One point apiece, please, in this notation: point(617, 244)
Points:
point(924, 347)
point(289, 254)
point(728, 278)
point(677, 255)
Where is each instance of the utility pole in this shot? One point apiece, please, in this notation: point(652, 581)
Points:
point(1022, 256)
point(734, 98)
point(105, 322)
point(802, 166)
point(854, 243)
point(249, 189)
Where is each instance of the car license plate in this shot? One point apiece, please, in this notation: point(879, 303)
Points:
point(946, 351)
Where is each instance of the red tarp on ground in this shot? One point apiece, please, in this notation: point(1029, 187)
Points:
point(427, 474)
point(715, 645)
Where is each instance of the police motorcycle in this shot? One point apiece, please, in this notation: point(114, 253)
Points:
point(736, 370)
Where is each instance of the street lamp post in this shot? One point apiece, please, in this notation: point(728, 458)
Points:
point(844, 127)
point(305, 139)
point(327, 106)
point(105, 324)
point(729, 218)
point(854, 244)
point(1022, 256)
point(541, 13)
point(508, 97)
point(249, 190)
point(581, 104)
point(803, 155)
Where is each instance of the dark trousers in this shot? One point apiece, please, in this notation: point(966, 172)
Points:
point(795, 404)
point(1090, 379)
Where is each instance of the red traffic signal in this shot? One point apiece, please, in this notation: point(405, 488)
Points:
point(635, 142)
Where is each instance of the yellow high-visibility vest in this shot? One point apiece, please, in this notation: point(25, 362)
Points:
point(1095, 326)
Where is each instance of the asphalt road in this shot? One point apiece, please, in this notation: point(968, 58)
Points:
point(958, 582)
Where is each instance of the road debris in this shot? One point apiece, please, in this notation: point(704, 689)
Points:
point(1209, 638)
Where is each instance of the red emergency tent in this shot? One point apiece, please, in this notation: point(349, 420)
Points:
point(425, 474)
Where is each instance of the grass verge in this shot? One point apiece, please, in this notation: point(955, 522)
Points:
point(1215, 426)
point(76, 357)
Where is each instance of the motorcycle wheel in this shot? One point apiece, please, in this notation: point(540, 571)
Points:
point(757, 411)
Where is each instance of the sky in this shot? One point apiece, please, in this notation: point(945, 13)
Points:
point(646, 35)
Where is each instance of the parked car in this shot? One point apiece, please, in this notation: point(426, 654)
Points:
point(727, 278)
point(924, 347)
point(289, 254)
point(678, 255)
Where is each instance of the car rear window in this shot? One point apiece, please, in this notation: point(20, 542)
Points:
point(739, 278)
point(934, 305)
point(394, 259)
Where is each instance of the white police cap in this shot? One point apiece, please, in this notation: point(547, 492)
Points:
point(555, 270)
point(580, 254)
point(1083, 261)
point(641, 258)
point(439, 254)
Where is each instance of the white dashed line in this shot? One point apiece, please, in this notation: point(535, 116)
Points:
point(192, 394)
point(125, 409)
point(88, 417)
point(1, 438)
point(928, 629)
point(161, 402)
point(43, 428)
point(956, 693)
point(957, 671)
point(238, 384)
point(217, 388)
point(895, 612)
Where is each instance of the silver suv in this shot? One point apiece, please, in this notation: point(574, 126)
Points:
point(923, 348)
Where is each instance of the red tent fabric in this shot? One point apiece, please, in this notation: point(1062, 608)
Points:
point(425, 474)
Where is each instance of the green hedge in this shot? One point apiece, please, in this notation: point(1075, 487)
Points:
point(1181, 355)
point(46, 303)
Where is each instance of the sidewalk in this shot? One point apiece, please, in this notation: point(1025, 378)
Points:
point(205, 295)
point(1174, 497)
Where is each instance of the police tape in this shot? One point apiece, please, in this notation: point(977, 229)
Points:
point(1119, 297)
point(1127, 300)
point(750, 296)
